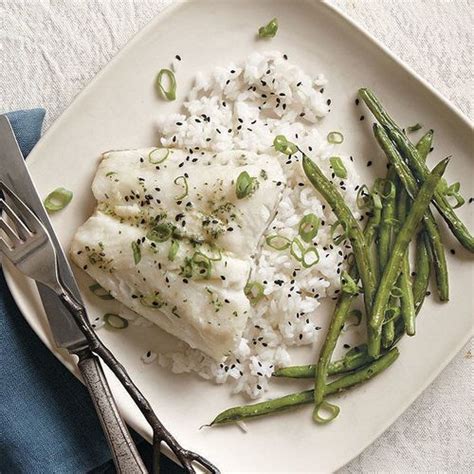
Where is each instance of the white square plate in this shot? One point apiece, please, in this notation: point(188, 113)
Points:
point(118, 109)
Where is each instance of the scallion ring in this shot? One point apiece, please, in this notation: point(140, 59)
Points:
point(269, 30)
point(335, 138)
point(137, 253)
point(297, 249)
point(338, 167)
point(308, 227)
point(185, 187)
point(158, 155)
point(348, 284)
point(245, 185)
point(329, 408)
point(167, 91)
point(100, 292)
point(453, 191)
point(282, 145)
point(202, 265)
point(173, 251)
point(278, 242)
point(363, 197)
point(152, 301)
point(160, 233)
point(308, 261)
point(114, 321)
point(396, 292)
point(57, 199)
point(254, 291)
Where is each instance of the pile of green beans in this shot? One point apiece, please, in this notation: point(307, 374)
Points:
point(393, 295)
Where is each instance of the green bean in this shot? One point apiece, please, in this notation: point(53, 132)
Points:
point(344, 215)
point(424, 144)
point(407, 304)
point(422, 271)
point(276, 405)
point(418, 167)
point(429, 222)
point(392, 270)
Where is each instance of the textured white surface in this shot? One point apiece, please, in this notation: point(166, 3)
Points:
point(50, 50)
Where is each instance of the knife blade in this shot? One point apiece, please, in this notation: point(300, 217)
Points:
point(15, 173)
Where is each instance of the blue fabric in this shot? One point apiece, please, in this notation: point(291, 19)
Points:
point(47, 421)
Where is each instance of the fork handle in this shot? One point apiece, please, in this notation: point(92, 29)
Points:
point(125, 455)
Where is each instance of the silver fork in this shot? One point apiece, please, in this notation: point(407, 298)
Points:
point(31, 251)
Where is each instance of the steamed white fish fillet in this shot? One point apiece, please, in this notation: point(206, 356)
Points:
point(191, 282)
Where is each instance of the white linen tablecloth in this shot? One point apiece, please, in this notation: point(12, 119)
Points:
point(51, 49)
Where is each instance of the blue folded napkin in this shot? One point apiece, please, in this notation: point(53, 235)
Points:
point(47, 420)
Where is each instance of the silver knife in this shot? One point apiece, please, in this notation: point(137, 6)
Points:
point(14, 173)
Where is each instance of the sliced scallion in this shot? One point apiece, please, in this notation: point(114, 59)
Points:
point(100, 292)
point(202, 265)
point(57, 199)
point(308, 228)
point(137, 253)
point(282, 145)
point(278, 242)
point(414, 128)
point(269, 30)
point(254, 291)
point(152, 301)
point(245, 185)
point(363, 197)
point(348, 284)
point(185, 187)
point(158, 155)
point(173, 251)
point(341, 237)
point(168, 91)
point(160, 233)
point(297, 249)
point(338, 167)
point(335, 138)
point(310, 257)
point(114, 321)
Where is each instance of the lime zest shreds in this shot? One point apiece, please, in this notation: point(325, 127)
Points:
point(100, 292)
point(278, 242)
point(167, 92)
point(348, 284)
point(245, 185)
point(308, 227)
point(254, 291)
point(160, 233)
point(57, 199)
point(137, 253)
point(338, 167)
point(185, 187)
point(269, 30)
point(336, 138)
point(308, 262)
point(173, 251)
point(158, 155)
point(414, 128)
point(282, 145)
point(114, 321)
point(201, 265)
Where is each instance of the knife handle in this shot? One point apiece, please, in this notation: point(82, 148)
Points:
point(125, 455)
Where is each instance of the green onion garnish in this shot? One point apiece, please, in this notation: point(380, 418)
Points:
point(297, 249)
point(245, 185)
point(57, 199)
point(307, 261)
point(363, 197)
point(453, 191)
point(202, 265)
point(168, 93)
point(174, 247)
point(254, 291)
point(338, 167)
point(152, 301)
point(110, 173)
point(308, 228)
point(160, 233)
point(100, 292)
point(158, 155)
point(185, 187)
point(282, 145)
point(341, 237)
point(269, 30)
point(414, 128)
point(114, 321)
point(335, 137)
point(348, 284)
point(278, 242)
point(137, 253)
point(396, 292)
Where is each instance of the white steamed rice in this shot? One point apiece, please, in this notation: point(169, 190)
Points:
point(244, 106)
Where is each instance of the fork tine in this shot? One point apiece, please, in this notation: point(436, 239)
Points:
point(4, 248)
point(10, 233)
point(22, 212)
point(21, 228)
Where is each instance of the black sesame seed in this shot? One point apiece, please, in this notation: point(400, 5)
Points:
point(453, 252)
point(369, 163)
point(361, 118)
